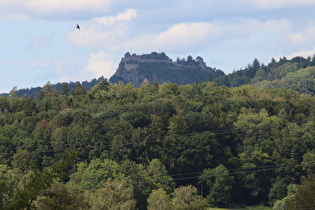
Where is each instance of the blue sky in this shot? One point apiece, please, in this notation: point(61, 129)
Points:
point(39, 41)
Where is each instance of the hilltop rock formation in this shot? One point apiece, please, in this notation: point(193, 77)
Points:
point(158, 67)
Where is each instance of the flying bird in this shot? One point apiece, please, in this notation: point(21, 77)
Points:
point(78, 27)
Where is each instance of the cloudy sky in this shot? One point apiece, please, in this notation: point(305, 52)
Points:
point(39, 41)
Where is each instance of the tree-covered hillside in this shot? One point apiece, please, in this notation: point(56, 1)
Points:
point(157, 146)
point(297, 74)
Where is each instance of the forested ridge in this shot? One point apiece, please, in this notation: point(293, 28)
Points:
point(162, 146)
point(296, 74)
point(35, 91)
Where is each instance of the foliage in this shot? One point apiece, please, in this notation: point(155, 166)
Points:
point(35, 183)
point(157, 144)
point(184, 197)
point(219, 184)
point(114, 195)
point(304, 196)
point(159, 200)
point(296, 74)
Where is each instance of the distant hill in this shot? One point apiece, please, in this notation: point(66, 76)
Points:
point(158, 67)
point(297, 73)
point(34, 91)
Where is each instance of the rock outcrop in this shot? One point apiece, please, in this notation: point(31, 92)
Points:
point(158, 67)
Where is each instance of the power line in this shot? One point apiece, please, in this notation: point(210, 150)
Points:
point(236, 172)
point(154, 140)
point(233, 171)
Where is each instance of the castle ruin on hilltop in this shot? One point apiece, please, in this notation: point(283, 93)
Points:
point(132, 61)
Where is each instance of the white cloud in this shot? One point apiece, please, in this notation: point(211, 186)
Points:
point(99, 65)
point(69, 5)
point(180, 37)
point(276, 4)
point(96, 65)
point(126, 16)
point(188, 37)
point(52, 9)
point(12, 10)
point(304, 37)
point(303, 53)
point(103, 31)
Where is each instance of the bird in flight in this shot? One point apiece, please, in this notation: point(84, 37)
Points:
point(78, 27)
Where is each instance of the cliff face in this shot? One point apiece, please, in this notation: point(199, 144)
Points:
point(157, 67)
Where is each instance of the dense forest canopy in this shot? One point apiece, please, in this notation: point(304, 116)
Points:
point(160, 145)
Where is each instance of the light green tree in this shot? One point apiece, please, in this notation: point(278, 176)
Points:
point(115, 194)
point(98, 172)
point(9, 180)
point(186, 198)
point(304, 196)
point(308, 163)
point(157, 171)
point(159, 200)
point(283, 203)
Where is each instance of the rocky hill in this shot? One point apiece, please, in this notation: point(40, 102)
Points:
point(158, 67)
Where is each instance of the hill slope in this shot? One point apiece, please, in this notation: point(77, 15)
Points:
point(297, 74)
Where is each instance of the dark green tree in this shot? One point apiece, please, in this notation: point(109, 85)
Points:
point(65, 89)
point(79, 89)
point(219, 183)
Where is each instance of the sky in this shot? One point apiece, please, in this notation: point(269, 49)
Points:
point(39, 41)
